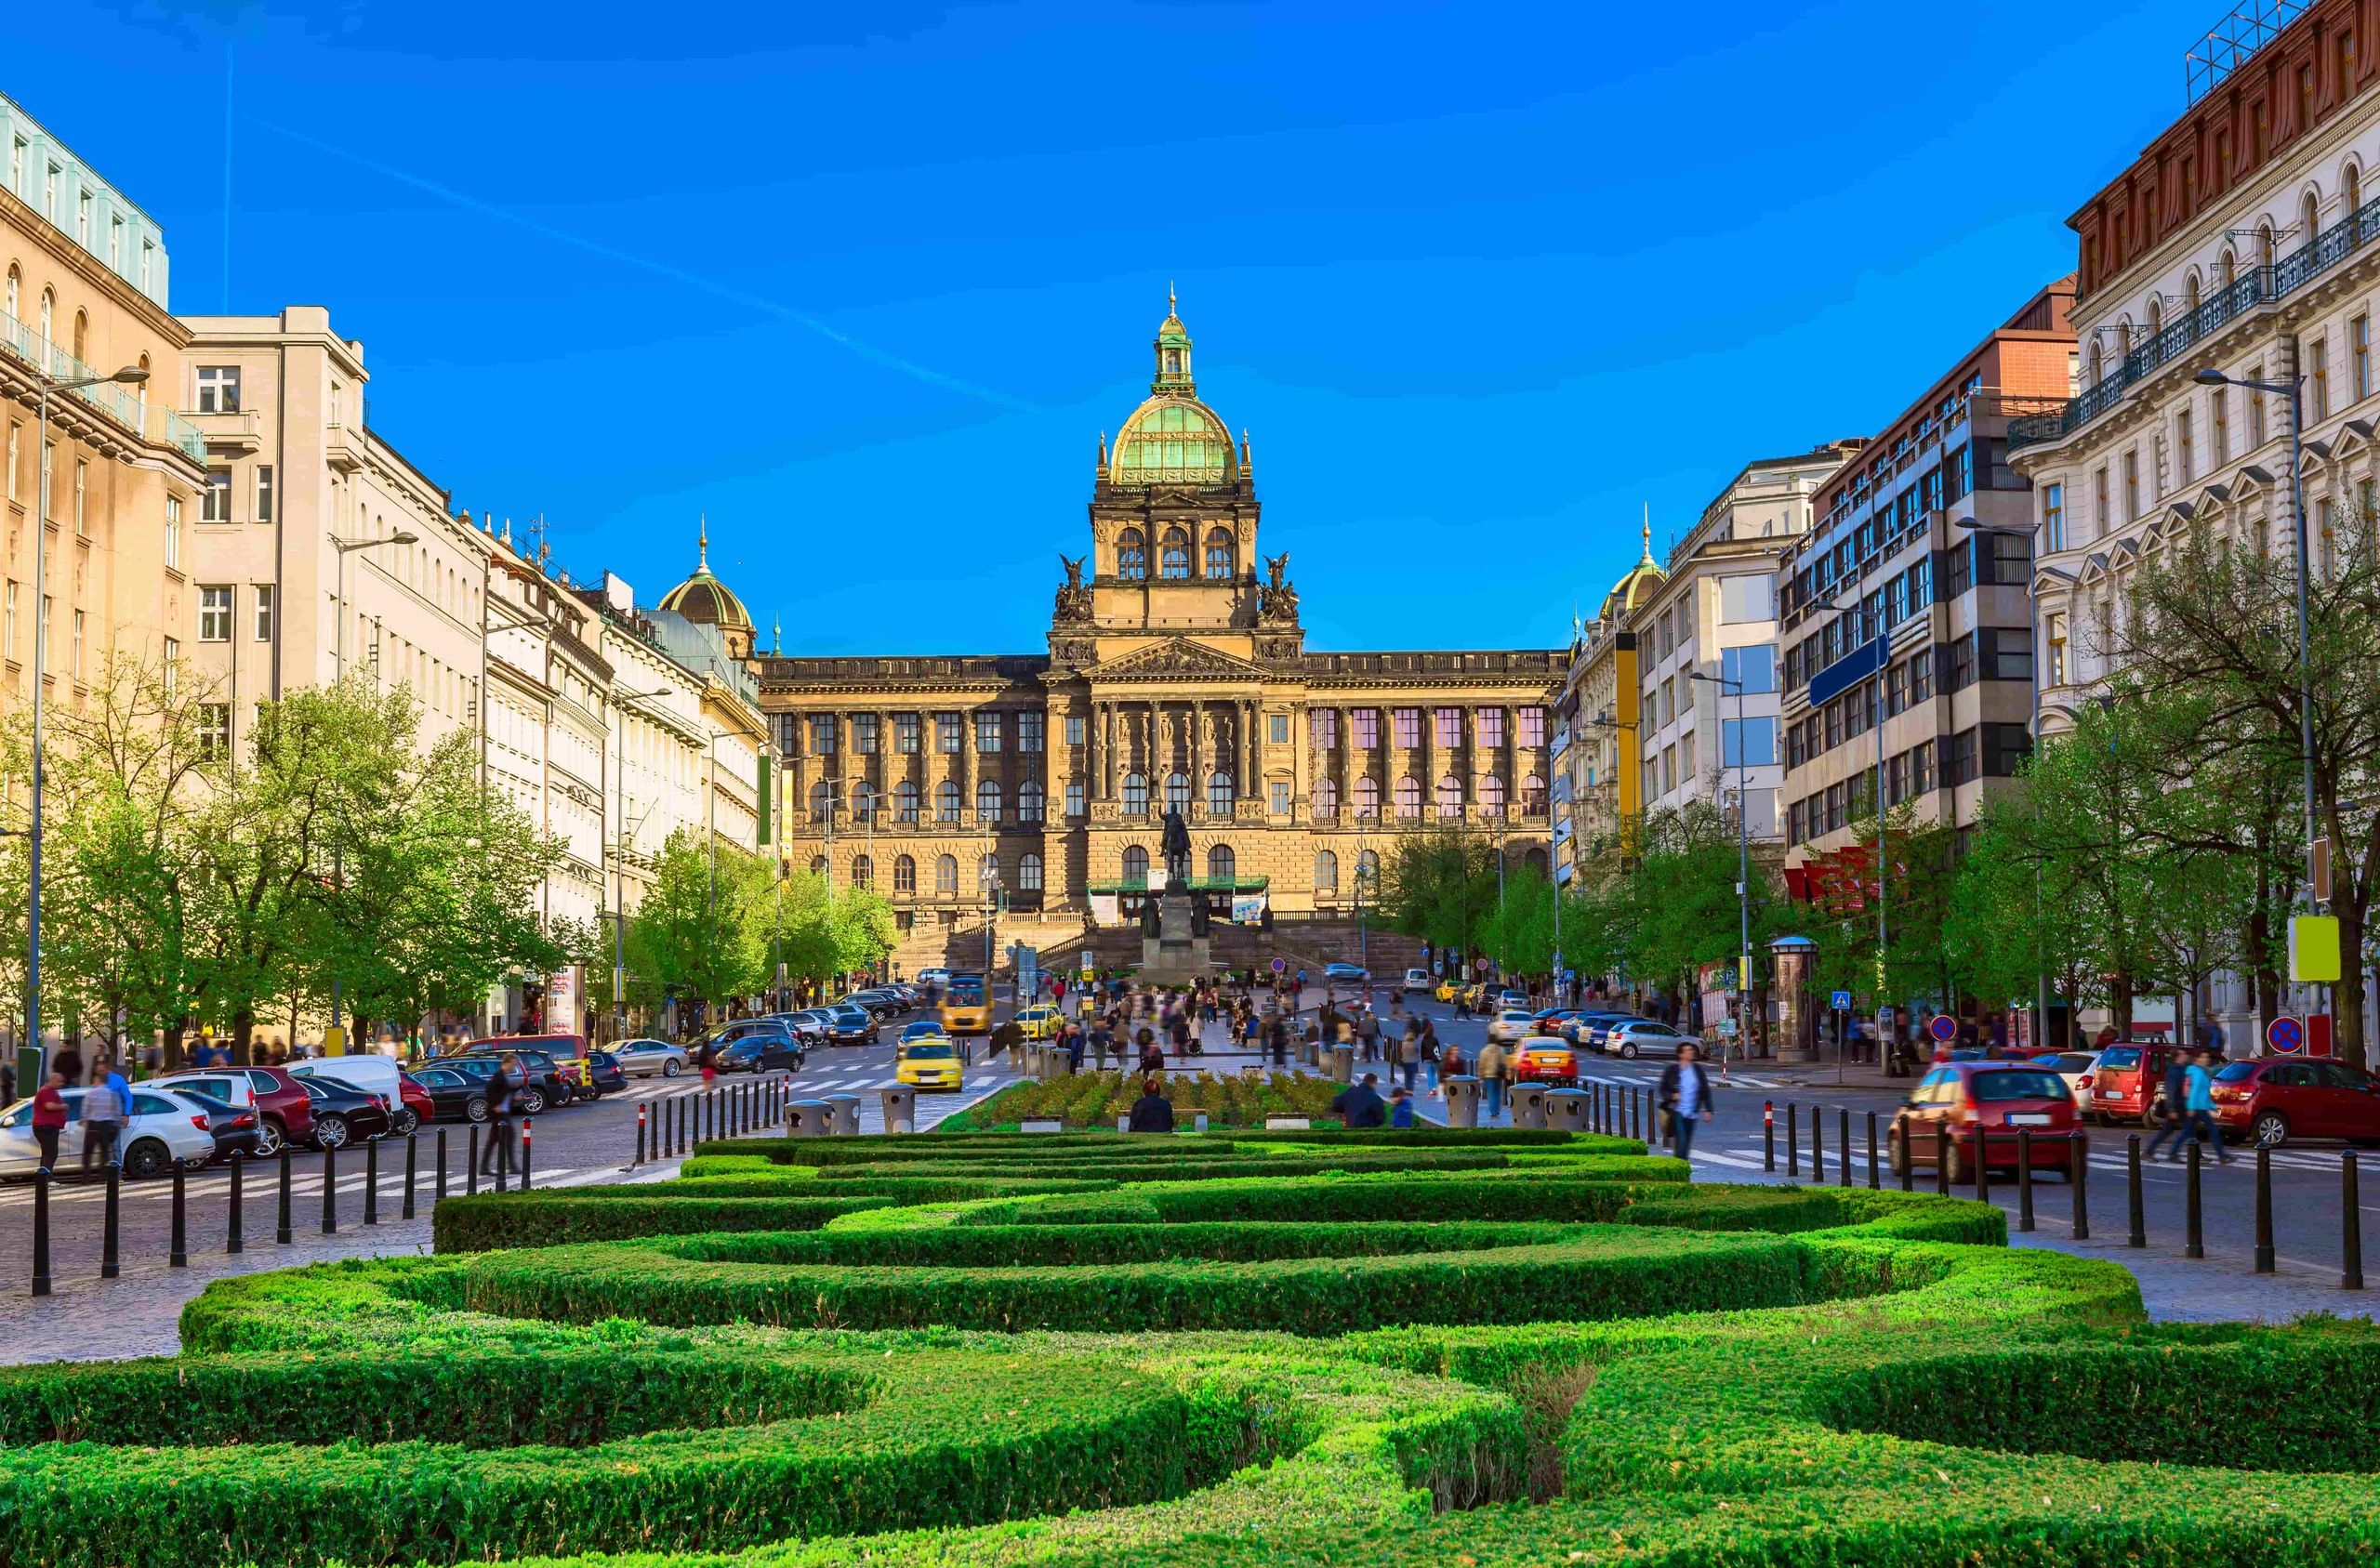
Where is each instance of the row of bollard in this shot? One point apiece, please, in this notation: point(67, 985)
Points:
point(284, 1228)
point(668, 1129)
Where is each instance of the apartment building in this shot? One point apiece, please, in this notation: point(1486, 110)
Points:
point(1599, 777)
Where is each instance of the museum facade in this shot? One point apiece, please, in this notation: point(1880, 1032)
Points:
point(1176, 676)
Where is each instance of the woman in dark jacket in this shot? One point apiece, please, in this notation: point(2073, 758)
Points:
point(1685, 1095)
point(1152, 1111)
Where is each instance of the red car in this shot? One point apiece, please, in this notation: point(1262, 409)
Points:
point(285, 1111)
point(2270, 1100)
point(1993, 1101)
point(418, 1107)
point(2129, 1083)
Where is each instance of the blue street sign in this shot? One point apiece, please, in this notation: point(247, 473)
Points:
point(1843, 1001)
point(1942, 1026)
point(2285, 1035)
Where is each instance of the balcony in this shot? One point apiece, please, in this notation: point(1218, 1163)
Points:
point(343, 448)
point(238, 434)
point(149, 422)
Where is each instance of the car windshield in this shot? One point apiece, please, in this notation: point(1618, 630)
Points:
point(967, 990)
point(1992, 1088)
point(1516, 1015)
point(2120, 1055)
point(921, 1032)
point(2237, 1072)
point(927, 1050)
point(2070, 1061)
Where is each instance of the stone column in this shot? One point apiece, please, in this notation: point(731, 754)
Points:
point(1197, 754)
point(1250, 715)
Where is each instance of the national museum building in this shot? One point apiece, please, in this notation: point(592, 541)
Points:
point(1177, 675)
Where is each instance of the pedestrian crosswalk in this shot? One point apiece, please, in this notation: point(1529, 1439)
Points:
point(261, 1183)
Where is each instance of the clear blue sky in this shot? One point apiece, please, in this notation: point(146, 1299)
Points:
point(863, 282)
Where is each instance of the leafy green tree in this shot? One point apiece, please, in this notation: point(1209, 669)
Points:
point(701, 929)
point(1440, 885)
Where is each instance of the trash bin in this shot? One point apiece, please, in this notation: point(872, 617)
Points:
point(1462, 1101)
point(1528, 1105)
point(1342, 1064)
point(843, 1110)
point(900, 1108)
point(1565, 1110)
point(807, 1118)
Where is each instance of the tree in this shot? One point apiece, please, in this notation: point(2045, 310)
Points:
point(1676, 908)
point(700, 930)
point(1440, 885)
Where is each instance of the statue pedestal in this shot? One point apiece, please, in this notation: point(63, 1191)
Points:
point(1173, 957)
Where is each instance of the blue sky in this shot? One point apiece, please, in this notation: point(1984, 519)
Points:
point(863, 283)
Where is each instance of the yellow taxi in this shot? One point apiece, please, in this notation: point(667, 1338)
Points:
point(929, 1061)
point(1545, 1059)
point(1041, 1020)
point(1445, 993)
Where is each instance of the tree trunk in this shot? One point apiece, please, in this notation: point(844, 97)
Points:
point(2120, 1004)
point(2346, 997)
point(244, 1026)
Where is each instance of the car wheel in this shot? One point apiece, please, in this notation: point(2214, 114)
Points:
point(530, 1102)
point(1626, 1050)
point(475, 1111)
point(671, 1067)
point(330, 1131)
point(270, 1138)
point(146, 1158)
point(2270, 1131)
point(405, 1121)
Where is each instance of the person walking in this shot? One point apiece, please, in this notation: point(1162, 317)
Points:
point(1152, 1111)
point(2177, 1117)
point(1368, 1031)
point(498, 1151)
point(102, 1116)
point(2198, 1103)
point(1685, 1093)
point(1490, 1070)
point(68, 1063)
point(1431, 1050)
point(1409, 1053)
point(1074, 1049)
point(49, 1119)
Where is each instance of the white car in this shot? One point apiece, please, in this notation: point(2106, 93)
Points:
point(938, 979)
point(1512, 1024)
point(2077, 1068)
point(642, 1059)
point(165, 1129)
point(1417, 979)
point(1643, 1037)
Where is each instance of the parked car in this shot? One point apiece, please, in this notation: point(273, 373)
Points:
point(1514, 996)
point(2072, 1066)
point(606, 1069)
point(1588, 1027)
point(547, 1086)
point(359, 1070)
point(2129, 1083)
point(647, 1059)
point(808, 1025)
point(879, 1004)
point(1417, 979)
point(1345, 974)
point(1511, 1024)
point(850, 1026)
point(760, 1051)
point(2267, 1100)
point(936, 978)
point(233, 1128)
point(345, 1115)
point(1039, 1021)
point(1631, 1039)
point(1992, 1102)
point(455, 1094)
point(412, 1108)
point(1543, 1059)
point(568, 1053)
point(929, 1062)
point(163, 1129)
point(285, 1112)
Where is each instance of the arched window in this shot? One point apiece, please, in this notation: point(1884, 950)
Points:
point(1136, 796)
point(1173, 556)
point(1367, 869)
point(2308, 215)
point(1326, 872)
point(2097, 364)
point(863, 800)
point(1535, 861)
point(1367, 797)
point(1222, 560)
point(49, 315)
point(1408, 797)
point(905, 875)
point(1325, 800)
point(1451, 796)
point(1219, 794)
point(1132, 555)
point(1136, 864)
point(2351, 194)
point(1491, 796)
point(1222, 864)
point(15, 286)
point(987, 873)
point(2156, 316)
point(987, 801)
point(905, 801)
point(2264, 244)
point(1177, 791)
point(817, 865)
point(946, 801)
point(821, 799)
point(1030, 798)
point(863, 872)
point(946, 875)
point(2227, 270)
point(2189, 293)
point(82, 335)
point(1028, 873)
point(1532, 796)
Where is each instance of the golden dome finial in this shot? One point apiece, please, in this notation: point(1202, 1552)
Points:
point(702, 541)
point(1648, 533)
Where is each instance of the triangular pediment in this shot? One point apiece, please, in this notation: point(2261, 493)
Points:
point(1177, 658)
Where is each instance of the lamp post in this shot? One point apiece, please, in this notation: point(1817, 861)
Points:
point(130, 375)
point(620, 866)
point(1743, 862)
point(346, 547)
point(2033, 638)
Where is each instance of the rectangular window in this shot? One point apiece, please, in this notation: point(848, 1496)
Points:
point(1959, 560)
point(82, 493)
point(173, 665)
point(2182, 443)
point(905, 728)
point(1751, 743)
point(1322, 727)
point(1963, 663)
point(218, 388)
point(1028, 729)
point(1490, 724)
point(215, 613)
point(1277, 728)
point(863, 733)
point(2011, 556)
point(2057, 650)
point(1450, 727)
point(266, 603)
point(949, 738)
point(1408, 727)
point(1074, 798)
point(2359, 334)
point(264, 492)
point(1747, 599)
point(2101, 518)
point(2132, 485)
point(1921, 676)
point(2054, 507)
point(213, 731)
point(1921, 769)
point(173, 533)
point(1364, 724)
point(115, 244)
point(75, 669)
point(1074, 729)
point(1753, 668)
point(147, 258)
point(787, 729)
point(16, 455)
point(2219, 425)
point(2317, 378)
point(215, 504)
point(1965, 756)
point(2255, 408)
point(822, 734)
point(988, 730)
point(1280, 797)
point(2011, 654)
point(83, 218)
point(49, 193)
point(1532, 726)
point(10, 631)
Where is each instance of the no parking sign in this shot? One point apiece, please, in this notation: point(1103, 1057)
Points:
point(1942, 1026)
point(2285, 1035)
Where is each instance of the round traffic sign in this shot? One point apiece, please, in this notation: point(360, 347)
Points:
point(1280, 967)
point(1942, 1026)
point(2285, 1035)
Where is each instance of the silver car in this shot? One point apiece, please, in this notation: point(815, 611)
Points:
point(1511, 1024)
point(1643, 1037)
point(642, 1059)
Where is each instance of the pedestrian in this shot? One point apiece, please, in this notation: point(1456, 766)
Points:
point(1277, 1037)
point(68, 1063)
point(1368, 1031)
point(1152, 1111)
point(1102, 1040)
point(1400, 1107)
point(707, 1057)
point(498, 1151)
point(102, 1117)
point(1074, 1049)
point(1430, 1053)
point(1359, 1104)
point(2197, 1101)
point(1409, 1054)
point(1490, 1070)
point(49, 1118)
point(1685, 1093)
point(2177, 1117)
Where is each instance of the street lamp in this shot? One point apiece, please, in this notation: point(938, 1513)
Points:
point(2292, 388)
point(1743, 863)
point(620, 866)
point(2034, 623)
point(130, 375)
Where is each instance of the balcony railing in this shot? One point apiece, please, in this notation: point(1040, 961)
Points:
point(150, 422)
point(2256, 287)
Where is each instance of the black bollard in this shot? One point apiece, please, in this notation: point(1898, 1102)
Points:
point(1982, 1168)
point(2024, 1178)
point(1817, 1144)
point(471, 1164)
point(1843, 1147)
point(1793, 1139)
point(2193, 1207)
point(1875, 1172)
point(438, 1190)
point(1768, 1135)
point(412, 1156)
point(280, 1221)
point(2350, 1227)
point(1941, 1160)
point(330, 1190)
point(2131, 1184)
point(524, 1154)
point(502, 1135)
point(178, 1243)
point(231, 1239)
point(40, 1231)
point(2078, 1161)
point(108, 1231)
point(2264, 1210)
point(372, 1181)
point(639, 1136)
point(1907, 1156)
